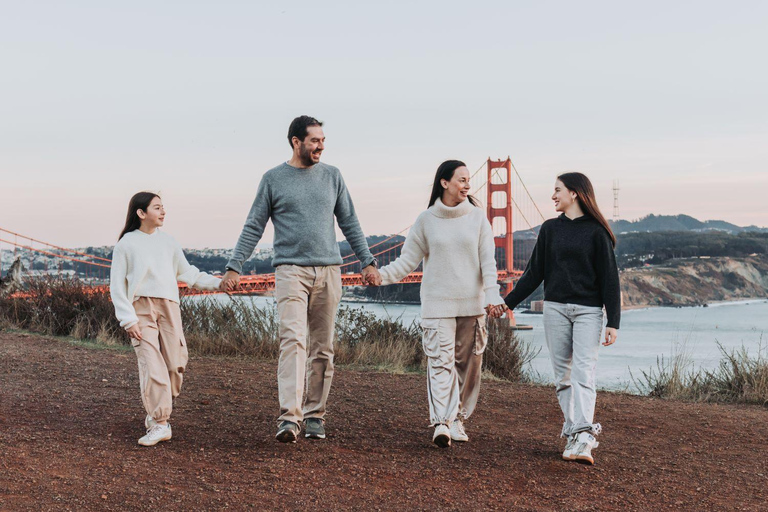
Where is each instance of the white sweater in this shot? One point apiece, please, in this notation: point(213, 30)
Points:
point(150, 266)
point(456, 244)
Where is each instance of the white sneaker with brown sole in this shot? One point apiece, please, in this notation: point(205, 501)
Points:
point(585, 443)
point(156, 434)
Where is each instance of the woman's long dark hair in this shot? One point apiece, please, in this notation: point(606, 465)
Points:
point(585, 195)
point(445, 172)
point(141, 202)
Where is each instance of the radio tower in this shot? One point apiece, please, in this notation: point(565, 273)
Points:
point(615, 200)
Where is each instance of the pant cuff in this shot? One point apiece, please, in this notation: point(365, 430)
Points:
point(592, 428)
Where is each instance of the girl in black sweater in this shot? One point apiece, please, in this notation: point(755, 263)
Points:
point(574, 257)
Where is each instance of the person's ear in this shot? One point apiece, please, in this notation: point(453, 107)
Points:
point(444, 183)
point(141, 213)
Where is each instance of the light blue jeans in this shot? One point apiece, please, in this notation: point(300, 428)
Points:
point(573, 339)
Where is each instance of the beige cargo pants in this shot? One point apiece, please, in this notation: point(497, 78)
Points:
point(454, 349)
point(161, 353)
point(307, 302)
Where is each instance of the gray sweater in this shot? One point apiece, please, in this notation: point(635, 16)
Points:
point(302, 204)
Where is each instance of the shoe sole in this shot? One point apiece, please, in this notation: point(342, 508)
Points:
point(286, 436)
point(442, 441)
point(583, 459)
point(460, 439)
point(153, 443)
point(314, 436)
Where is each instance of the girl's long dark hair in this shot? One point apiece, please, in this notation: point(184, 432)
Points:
point(585, 195)
point(141, 202)
point(445, 172)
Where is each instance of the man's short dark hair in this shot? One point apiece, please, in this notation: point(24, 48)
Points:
point(299, 127)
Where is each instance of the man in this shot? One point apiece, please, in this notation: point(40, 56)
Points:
point(302, 196)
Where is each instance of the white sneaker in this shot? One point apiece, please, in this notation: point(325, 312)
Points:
point(585, 443)
point(156, 434)
point(442, 437)
point(149, 422)
point(457, 431)
point(570, 446)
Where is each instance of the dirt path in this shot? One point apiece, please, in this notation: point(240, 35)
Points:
point(70, 418)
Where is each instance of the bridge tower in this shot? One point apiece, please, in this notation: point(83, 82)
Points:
point(501, 208)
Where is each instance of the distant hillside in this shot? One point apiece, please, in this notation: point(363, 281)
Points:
point(660, 223)
point(654, 223)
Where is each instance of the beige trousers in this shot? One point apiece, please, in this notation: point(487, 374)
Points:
point(454, 349)
point(162, 354)
point(307, 301)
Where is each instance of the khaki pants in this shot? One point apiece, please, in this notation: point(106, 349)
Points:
point(162, 354)
point(454, 349)
point(307, 301)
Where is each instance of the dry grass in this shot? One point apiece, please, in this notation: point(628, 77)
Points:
point(507, 356)
point(62, 307)
point(239, 328)
point(740, 377)
point(235, 327)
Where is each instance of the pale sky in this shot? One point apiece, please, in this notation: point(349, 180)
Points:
point(193, 99)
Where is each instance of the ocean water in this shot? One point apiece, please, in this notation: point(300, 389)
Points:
point(645, 336)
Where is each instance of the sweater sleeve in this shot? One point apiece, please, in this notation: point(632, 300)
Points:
point(488, 270)
point(608, 278)
point(349, 224)
point(414, 250)
point(533, 275)
point(261, 210)
point(118, 289)
point(191, 275)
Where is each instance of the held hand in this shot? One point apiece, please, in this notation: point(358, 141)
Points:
point(230, 281)
point(496, 311)
point(134, 332)
point(611, 334)
point(371, 276)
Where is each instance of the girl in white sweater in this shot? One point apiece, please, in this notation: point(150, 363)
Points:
point(460, 284)
point(146, 268)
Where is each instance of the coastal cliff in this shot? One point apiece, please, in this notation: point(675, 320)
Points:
point(695, 281)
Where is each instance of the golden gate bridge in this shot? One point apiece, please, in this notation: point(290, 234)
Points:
point(500, 190)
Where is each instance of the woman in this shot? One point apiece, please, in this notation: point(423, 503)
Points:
point(575, 259)
point(454, 240)
point(146, 267)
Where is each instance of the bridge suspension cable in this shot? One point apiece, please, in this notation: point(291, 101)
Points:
point(72, 251)
point(48, 253)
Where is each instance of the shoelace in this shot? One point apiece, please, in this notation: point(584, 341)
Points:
point(460, 428)
point(155, 428)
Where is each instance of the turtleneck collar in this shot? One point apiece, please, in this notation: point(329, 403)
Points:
point(450, 212)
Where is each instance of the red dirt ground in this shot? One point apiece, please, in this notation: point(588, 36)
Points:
point(70, 417)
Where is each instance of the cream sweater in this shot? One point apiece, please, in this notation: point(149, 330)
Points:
point(456, 244)
point(150, 266)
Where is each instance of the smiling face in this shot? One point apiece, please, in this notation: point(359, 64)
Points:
point(309, 150)
point(456, 190)
point(154, 217)
point(563, 197)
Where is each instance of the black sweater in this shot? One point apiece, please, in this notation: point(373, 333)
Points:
point(575, 259)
